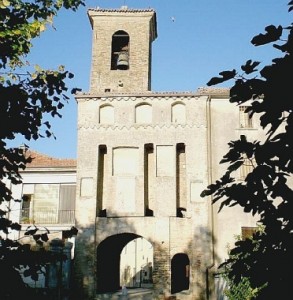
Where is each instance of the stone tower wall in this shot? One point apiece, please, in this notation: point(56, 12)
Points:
point(140, 27)
point(126, 133)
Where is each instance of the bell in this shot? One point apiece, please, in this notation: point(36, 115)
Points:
point(122, 61)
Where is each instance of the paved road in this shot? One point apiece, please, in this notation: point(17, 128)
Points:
point(138, 294)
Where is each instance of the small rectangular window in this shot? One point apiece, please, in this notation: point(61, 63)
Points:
point(25, 209)
point(247, 232)
point(246, 168)
point(245, 119)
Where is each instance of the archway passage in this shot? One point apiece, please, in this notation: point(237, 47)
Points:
point(136, 264)
point(179, 273)
point(109, 259)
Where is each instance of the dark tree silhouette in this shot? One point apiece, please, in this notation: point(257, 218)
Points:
point(28, 94)
point(266, 260)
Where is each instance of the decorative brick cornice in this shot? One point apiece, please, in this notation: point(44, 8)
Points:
point(122, 9)
point(204, 91)
point(114, 127)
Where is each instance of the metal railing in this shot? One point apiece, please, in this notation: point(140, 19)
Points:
point(47, 216)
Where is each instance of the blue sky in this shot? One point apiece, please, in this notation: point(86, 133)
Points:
point(197, 39)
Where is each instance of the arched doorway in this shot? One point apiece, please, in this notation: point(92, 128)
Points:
point(179, 273)
point(117, 266)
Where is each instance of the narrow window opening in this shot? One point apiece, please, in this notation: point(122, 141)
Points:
point(148, 154)
point(25, 209)
point(245, 118)
point(100, 188)
point(180, 180)
point(249, 163)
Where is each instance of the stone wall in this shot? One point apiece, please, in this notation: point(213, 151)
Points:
point(183, 144)
point(140, 26)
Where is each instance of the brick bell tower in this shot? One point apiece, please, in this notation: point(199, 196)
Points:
point(121, 51)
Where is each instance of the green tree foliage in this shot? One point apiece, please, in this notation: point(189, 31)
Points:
point(29, 94)
point(242, 289)
point(266, 191)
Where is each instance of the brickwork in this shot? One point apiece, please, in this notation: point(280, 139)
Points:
point(174, 235)
point(140, 26)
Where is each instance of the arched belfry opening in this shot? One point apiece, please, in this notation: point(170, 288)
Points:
point(124, 259)
point(120, 51)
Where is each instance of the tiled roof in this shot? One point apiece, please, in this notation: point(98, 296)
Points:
point(44, 161)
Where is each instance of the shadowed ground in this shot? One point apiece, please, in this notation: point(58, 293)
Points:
point(139, 294)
